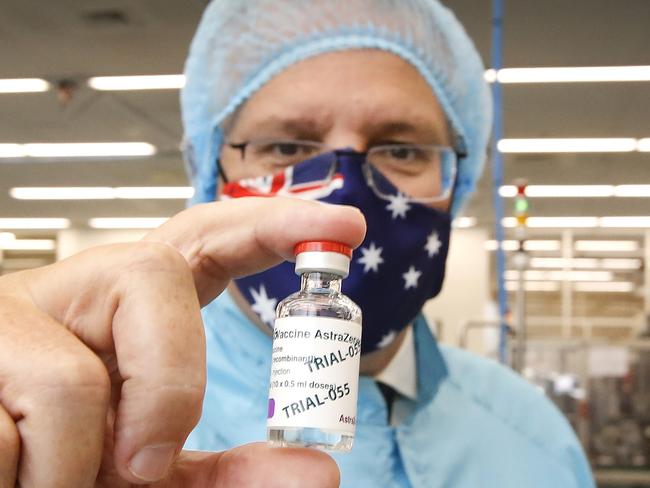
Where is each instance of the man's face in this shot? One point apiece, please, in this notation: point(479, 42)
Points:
point(350, 99)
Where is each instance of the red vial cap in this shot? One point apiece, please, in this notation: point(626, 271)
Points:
point(322, 246)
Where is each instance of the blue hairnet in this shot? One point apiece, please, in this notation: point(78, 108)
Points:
point(241, 44)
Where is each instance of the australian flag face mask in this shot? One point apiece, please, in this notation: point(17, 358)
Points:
point(400, 264)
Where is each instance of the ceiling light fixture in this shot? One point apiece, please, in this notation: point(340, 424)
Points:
point(569, 74)
point(533, 286)
point(586, 263)
point(34, 223)
point(604, 287)
point(580, 222)
point(541, 275)
point(578, 191)
point(28, 245)
point(154, 192)
point(464, 222)
point(640, 191)
point(606, 246)
point(624, 222)
point(530, 245)
point(127, 223)
point(77, 150)
point(569, 145)
point(24, 85)
point(558, 191)
point(147, 82)
point(101, 193)
point(62, 193)
point(12, 151)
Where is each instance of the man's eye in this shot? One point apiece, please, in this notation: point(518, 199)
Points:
point(284, 149)
point(401, 153)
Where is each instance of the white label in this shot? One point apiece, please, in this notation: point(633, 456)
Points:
point(314, 374)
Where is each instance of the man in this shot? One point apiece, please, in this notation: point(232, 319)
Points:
point(378, 105)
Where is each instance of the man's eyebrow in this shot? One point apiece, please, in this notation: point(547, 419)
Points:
point(300, 127)
point(395, 128)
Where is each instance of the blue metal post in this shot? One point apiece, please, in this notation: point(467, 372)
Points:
point(497, 173)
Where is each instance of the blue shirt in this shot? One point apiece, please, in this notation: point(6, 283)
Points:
point(474, 423)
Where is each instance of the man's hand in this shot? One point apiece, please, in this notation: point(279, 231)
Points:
point(102, 356)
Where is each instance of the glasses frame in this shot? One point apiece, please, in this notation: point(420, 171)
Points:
point(459, 153)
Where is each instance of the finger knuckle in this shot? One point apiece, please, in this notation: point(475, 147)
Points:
point(152, 256)
point(75, 373)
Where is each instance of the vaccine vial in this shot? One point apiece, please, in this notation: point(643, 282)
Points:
point(316, 350)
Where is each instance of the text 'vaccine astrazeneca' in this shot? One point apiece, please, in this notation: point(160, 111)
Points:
point(316, 350)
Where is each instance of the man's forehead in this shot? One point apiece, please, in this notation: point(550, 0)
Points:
point(312, 124)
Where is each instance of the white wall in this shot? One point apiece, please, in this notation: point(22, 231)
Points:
point(465, 294)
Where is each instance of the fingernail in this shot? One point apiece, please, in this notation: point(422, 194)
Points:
point(152, 462)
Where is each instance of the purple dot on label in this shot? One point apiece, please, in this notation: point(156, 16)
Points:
point(271, 408)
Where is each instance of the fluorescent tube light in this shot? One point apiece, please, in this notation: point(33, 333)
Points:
point(578, 191)
point(101, 193)
point(569, 74)
point(605, 287)
point(559, 191)
point(567, 145)
point(62, 193)
point(586, 263)
point(643, 222)
point(34, 223)
point(127, 223)
point(12, 151)
point(641, 191)
point(644, 145)
point(553, 222)
point(153, 192)
point(533, 286)
point(546, 222)
point(24, 85)
point(464, 222)
point(560, 263)
point(28, 245)
point(532, 245)
point(606, 246)
point(7, 237)
point(89, 149)
point(620, 263)
point(148, 82)
point(541, 245)
point(75, 150)
point(540, 275)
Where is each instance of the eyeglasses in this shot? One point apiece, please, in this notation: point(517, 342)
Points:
point(423, 173)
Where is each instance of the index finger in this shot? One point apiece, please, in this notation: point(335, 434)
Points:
point(233, 238)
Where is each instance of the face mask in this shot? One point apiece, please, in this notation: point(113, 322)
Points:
point(400, 264)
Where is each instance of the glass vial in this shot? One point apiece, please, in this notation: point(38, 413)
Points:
point(316, 349)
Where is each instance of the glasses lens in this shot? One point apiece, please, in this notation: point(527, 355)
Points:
point(419, 172)
point(272, 156)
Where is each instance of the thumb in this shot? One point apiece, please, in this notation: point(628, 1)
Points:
point(252, 466)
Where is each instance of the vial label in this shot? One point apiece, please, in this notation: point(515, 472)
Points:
point(314, 374)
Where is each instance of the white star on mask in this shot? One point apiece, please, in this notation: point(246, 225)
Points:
point(371, 258)
point(398, 205)
point(433, 244)
point(387, 339)
point(411, 278)
point(264, 306)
